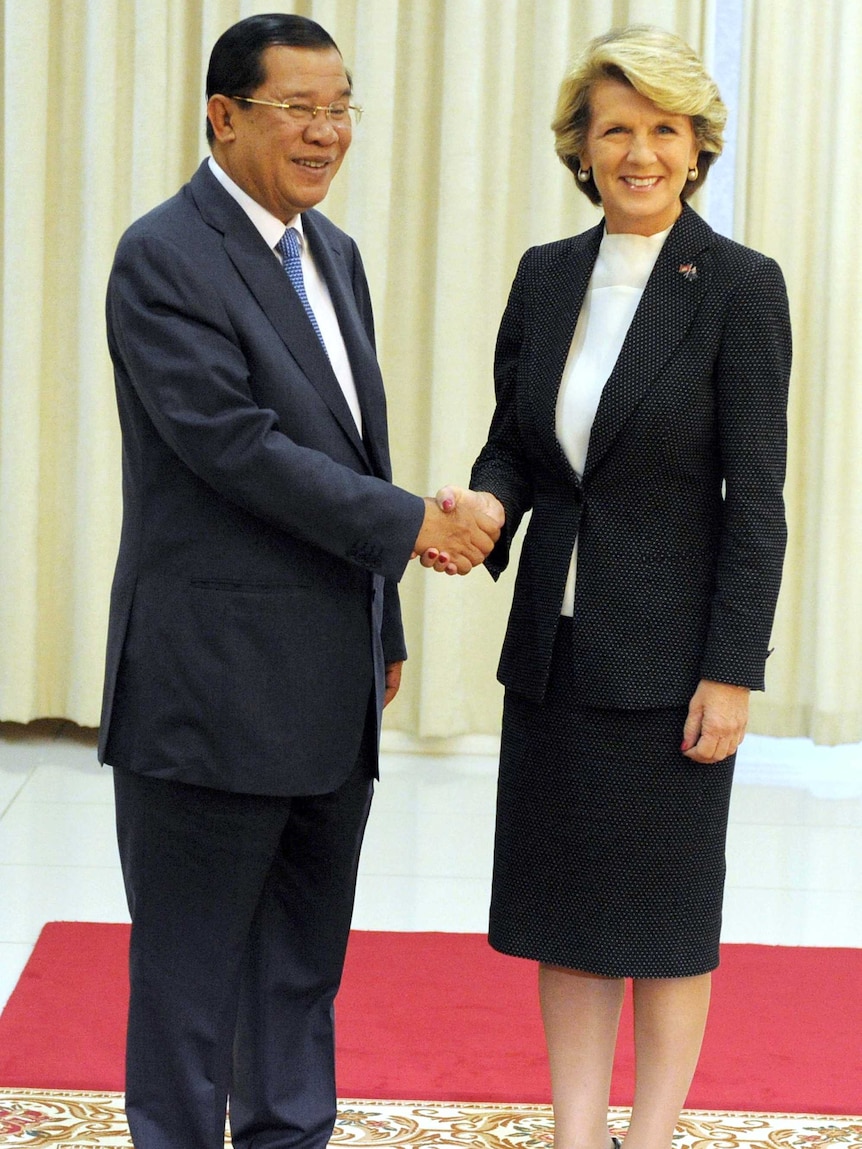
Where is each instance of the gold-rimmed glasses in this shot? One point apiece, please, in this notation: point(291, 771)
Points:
point(340, 114)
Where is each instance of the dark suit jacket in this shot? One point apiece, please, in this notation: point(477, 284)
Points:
point(254, 603)
point(679, 513)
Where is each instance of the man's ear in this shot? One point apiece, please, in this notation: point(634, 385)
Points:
point(220, 112)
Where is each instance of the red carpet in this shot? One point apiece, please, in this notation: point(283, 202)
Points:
point(442, 1017)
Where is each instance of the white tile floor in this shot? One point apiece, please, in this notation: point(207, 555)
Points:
point(794, 849)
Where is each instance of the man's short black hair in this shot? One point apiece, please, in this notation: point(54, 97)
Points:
point(236, 68)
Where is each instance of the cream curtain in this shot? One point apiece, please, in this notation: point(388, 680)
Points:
point(452, 174)
point(799, 190)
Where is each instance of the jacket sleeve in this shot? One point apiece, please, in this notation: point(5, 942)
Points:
point(751, 379)
point(172, 336)
point(502, 467)
point(392, 631)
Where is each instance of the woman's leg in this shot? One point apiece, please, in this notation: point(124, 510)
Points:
point(669, 1020)
point(581, 1013)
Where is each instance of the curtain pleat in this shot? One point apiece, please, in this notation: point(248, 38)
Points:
point(27, 481)
point(799, 192)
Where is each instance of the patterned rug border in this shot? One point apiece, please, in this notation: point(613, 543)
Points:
point(10, 1092)
point(77, 1119)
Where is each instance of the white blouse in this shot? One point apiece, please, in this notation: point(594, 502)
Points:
point(620, 274)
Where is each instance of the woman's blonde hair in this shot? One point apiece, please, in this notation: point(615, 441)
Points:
point(659, 65)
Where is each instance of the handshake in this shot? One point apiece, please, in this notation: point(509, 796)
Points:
point(459, 530)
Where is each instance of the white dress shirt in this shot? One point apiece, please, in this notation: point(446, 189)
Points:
point(272, 229)
point(620, 274)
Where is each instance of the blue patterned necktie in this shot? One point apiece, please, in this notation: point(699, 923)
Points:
point(288, 246)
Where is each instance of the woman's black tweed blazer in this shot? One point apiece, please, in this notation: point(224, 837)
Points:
point(679, 512)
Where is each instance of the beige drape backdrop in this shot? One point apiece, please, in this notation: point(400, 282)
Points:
point(451, 176)
point(799, 193)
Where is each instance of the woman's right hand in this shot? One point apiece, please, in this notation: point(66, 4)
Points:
point(717, 717)
point(481, 503)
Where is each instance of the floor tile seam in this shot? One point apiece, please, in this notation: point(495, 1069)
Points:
point(17, 794)
point(60, 866)
point(795, 833)
point(853, 889)
point(67, 803)
point(792, 825)
point(412, 875)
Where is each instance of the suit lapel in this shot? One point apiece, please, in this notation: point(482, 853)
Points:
point(666, 310)
point(267, 282)
point(360, 350)
point(563, 287)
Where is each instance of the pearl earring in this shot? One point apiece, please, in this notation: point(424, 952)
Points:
point(693, 173)
point(584, 176)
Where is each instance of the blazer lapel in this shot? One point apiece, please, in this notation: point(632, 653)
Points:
point(563, 288)
point(267, 282)
point(666, 310)
point(360, 350)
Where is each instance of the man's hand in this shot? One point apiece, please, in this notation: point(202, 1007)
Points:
point(717, 717)
point(459, 530)
point(393, 681)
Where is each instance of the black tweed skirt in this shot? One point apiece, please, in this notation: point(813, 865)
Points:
point(609, 850)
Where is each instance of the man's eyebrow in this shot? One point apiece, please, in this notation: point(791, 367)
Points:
point(308, 95)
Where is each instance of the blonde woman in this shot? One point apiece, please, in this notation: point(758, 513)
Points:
point(641, 377)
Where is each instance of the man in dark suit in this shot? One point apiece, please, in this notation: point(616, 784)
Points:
point(255, 634)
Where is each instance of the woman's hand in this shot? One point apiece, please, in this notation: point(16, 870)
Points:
point(449, 498)
point(717, 717)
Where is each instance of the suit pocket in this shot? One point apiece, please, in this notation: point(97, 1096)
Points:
point(243, 586)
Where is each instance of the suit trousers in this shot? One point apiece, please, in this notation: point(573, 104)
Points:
point(241, 907)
